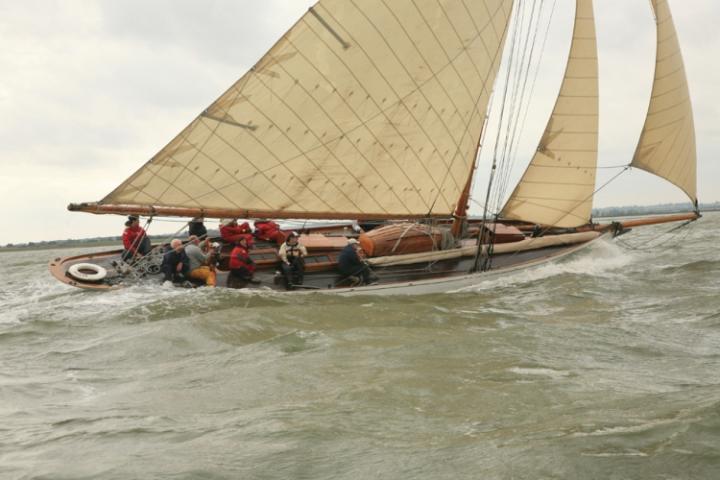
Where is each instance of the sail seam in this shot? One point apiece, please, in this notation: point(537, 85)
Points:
point(305, 156)
point(451, 64)
point(362, 123)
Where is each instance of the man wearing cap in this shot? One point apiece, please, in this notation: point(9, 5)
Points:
point(135, 241)
point(292, 260)
point(352, 266)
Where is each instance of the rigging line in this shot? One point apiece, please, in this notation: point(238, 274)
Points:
point(537, 71)
point(524, 73)
point(650, 246)
point(517, 134)
point(479, 253)
point(516, 89)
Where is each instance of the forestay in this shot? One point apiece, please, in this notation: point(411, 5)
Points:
point(363, 108)
point(667, 143)
point(557, 187)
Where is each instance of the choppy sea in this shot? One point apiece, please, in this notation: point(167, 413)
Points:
point(605, 365)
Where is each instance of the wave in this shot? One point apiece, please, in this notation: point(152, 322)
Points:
point(602, 259)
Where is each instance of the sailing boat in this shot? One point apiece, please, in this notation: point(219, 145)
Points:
point(375, 112)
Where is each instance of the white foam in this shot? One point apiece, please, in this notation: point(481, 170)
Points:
point(601, 259)
point(544, 372)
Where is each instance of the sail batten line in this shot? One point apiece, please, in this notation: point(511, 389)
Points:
point(213, 189)
point(384, 113)
point(270, 180)
point(322, 21)
point(185, 167)
point(478, 35)
point(349, 172)
point(381, 111)
point(418, 89)
point(450, 64)
point(280, 162)
point(257, 170)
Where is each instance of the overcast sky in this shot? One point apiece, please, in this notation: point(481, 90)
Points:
point(89, 90)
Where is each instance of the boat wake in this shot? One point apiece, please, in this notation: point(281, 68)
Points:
point(602, 259)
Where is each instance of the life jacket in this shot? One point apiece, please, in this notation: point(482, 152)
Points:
point(131, 237)
point(239, 259)
point(269, 231)
point(232, 234)
point(293, 251)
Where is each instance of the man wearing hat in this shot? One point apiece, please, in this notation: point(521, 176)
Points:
point(292, 260)
point(352, 266)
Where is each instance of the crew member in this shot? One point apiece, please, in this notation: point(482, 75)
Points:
point(352, 266)
point(242, 267)
point(135, 240)
point(175, 264)
point(199, 268)
point(292, 255)
point(231, 232)
point(269, 231)
point(197, 227)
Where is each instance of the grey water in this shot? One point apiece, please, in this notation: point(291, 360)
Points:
point(605, 365)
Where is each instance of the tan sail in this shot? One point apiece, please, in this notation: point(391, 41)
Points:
point(558, 185)
point(363, 108)
point(667, 142)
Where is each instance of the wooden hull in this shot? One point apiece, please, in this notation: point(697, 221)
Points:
point(321, 275)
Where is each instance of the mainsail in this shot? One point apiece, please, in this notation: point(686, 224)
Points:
point(667, 143)
point(557, 187)
point(367, 108)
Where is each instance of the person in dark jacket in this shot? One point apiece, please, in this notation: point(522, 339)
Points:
point(197, 227)
point(352, 266)
point(175, 264)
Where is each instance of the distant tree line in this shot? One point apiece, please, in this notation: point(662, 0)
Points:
point(663, 208)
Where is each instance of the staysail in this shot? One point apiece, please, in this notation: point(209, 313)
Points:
point(667, 143)
point(367, 108)
point(557, 187)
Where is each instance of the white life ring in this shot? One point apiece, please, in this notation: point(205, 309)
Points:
point(87, 272)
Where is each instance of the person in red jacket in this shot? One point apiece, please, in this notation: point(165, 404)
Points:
point(269, 231)
point(242, 267)
point(136, 243)
point(231, 232)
